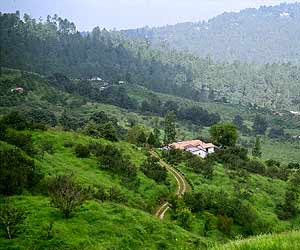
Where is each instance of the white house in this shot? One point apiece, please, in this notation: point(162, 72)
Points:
point(196, 147)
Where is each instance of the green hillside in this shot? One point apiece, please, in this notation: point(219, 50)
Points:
point(284, 241)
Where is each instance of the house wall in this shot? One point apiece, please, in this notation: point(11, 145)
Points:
point(200, 153)
point(211, 150)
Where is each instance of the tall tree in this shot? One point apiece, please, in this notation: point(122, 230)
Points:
point(225, 134)
point(256, 151)
point(170, 127)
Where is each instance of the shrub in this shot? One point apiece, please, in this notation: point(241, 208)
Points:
point(15, 120)
point(68, 144)
point(17, 171)
point(42, 116)
point(115, 195)
point(152, 169)
point(82, 151)
point(65, 194)
point(276, 133)
point(256, 167)
point(224, 224)
point(10, 218)
point(113, 160)
point(47, 146)
point(20, 140)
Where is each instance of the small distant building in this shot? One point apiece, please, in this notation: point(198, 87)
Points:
point(17, 90)
point(196, 147)
point(96, 79)
point(295, 112)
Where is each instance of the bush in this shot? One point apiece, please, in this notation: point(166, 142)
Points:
point(82, 151)
point(276, 133)
point(152, 169)
point(17, 171)
point(256, 167)
point(47, 146)
point(10, 218)
point(15, 120)
point(42, 116)
point(113, 160)
point(65, 194)
point(20, 140)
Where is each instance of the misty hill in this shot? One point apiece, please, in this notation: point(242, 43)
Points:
point(56, 46)
point(267, 34)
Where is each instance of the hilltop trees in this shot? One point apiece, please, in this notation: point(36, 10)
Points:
point(224, 134)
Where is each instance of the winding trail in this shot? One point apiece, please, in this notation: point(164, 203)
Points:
point(182, 185)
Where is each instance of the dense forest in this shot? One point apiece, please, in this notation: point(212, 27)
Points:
point(55, 46)
point(265, 35)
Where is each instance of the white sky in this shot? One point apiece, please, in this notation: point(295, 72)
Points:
point(123, 14)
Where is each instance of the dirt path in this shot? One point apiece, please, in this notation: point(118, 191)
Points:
point(182, 185)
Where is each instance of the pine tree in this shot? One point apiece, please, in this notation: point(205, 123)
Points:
point(170, 128)
point(156, 133)
point(256, 151)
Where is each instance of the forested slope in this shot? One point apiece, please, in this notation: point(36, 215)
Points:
point(55, 46)
point(264, 35)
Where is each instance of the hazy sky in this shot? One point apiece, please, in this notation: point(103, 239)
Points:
point(122, 14)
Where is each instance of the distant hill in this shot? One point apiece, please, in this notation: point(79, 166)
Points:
point(264, 35)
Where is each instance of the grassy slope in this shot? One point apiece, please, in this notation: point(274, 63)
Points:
point(283, 241)
point(95, 225)
point(266, 193)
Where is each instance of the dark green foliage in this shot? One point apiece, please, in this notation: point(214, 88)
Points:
point(47, 146)
point(115, 195)
point(175, 156)
point(152, 169)
point(255, 166)
point(229, 209)
point(15, 120)
point(152, 140)
point(10, 218)
point(66, 194)
point(112, 194)
point(225, 224)
point(68, 122)
point(260, 125)
point(290, 207)
point(82, 151)
point(113, 160)
point(142, 139)
point(17, 171)
point(224, 134)
point(293, 165)
point(198, 116)
point(169, 128)
point(238, 121)
point(21, 140)
point(199, 165)
point(41, 116)
point(256, 151)
point(276, 133)
point(103, 126)
point(185, 218)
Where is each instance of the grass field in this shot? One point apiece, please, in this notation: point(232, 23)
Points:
point(283, 241)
